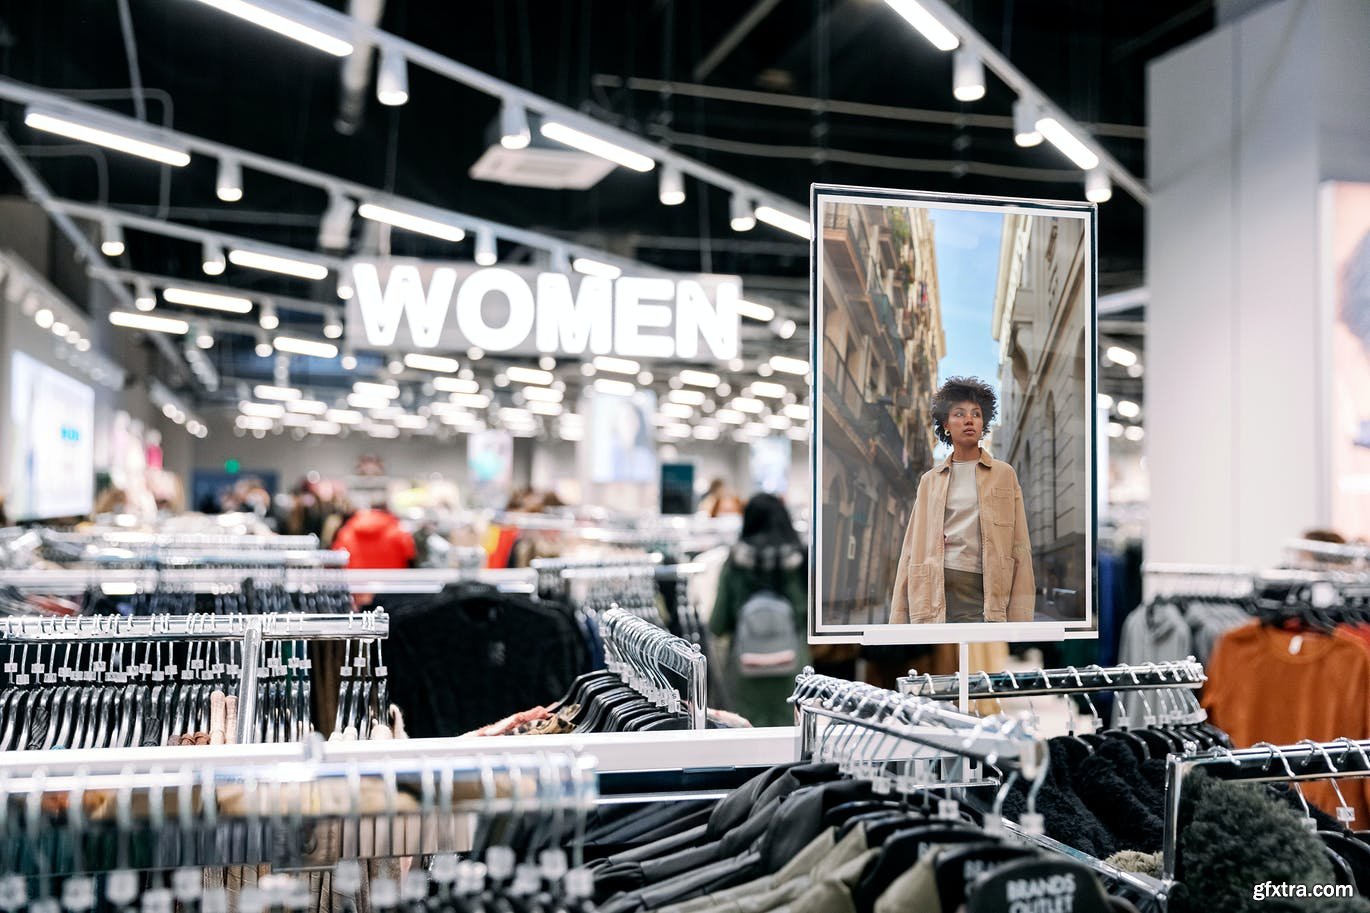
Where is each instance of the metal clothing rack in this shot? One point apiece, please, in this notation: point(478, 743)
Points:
point(1263, 763)
point(669, 671)
point(1188, 673)
point(249, 630)
point(433, 580)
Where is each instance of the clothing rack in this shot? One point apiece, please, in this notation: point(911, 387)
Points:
point(281, 788)
point(1188, 673)
point(639, 652)
point(249, 630)
point(433, 580)
point(1161, 579)
point(1263, 763)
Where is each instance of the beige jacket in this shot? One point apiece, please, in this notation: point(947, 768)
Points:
point(919, 586)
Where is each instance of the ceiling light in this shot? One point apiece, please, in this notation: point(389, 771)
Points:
point(440, 364)
point(1105, 401)
point(335, 226)
point(263, 347)
point(706, 433)
point(754, 311)
point(784, 221)
point(286, 266)
point(332, 323)
point(212, 259)
point(595, 268)
point(1135, 370)
point(83, 345)
point(228, 186)
point(59, 328)
point(926, 23)
point(367, 401)
point(541, 408)
point(307, 406)
point(769, 390)
point(486, 254)
point(474, 354)
point(281, 394)
point(267, 318)
point(699, 378)
point(535, 376)
point(388, 411)
point(797, 411)
point(1128, 409)
point(112, 245)
point(1098, 188)
point(203, 338)
point(411, 222)
point(1115, 429)
point(676, 410)
point(1121, 356)
point(325, 428)
point(678, 429)
point(254, 423)
point(383, 431)
point(1134, 433)
point(595, 146)
point(547, 363)
point(1025, 118)
point(671, 187)
point(455, 385)
point(366, 388)
point(787, 329)
point(778, 422)
point(513, 126)
point(542, 395)
point(411, 422)
point(741, 216)
point(616, 365)
point(765, 369)
point(614, 387)
point(748, 404)
point(191, 298)
point(344, 416)
point(281, 25)
point(43, 317)
point(348, 361)
point(787, 365)
point(133, 320)
point(470, 400)
point(260, 410)
point(967, 76)
point(730, 416)
point(297, 346)
point(120, 142)
point(757, 429)
point(143, 297)
point(688, 397)
point(1071, 145)
point(392, 79)
point(798, 433)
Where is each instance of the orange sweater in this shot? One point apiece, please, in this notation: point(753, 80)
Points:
point(1279, 686)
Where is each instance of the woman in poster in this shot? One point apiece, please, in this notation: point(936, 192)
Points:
point(966, 555)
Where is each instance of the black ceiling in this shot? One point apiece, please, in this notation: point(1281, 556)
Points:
point(235, 83)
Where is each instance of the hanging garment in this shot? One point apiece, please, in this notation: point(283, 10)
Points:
point(374, 539)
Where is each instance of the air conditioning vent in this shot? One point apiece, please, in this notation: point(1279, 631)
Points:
point(534, 166)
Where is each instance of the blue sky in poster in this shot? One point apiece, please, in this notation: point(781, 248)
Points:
point(967, 245)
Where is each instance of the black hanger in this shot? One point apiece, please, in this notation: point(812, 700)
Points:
point(901, 852)
point(958, 867)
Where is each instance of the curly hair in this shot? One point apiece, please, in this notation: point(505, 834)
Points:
point(962, 390)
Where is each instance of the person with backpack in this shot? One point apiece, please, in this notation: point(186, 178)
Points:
point(762, 610)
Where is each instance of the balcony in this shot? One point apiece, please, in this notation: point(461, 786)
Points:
point(887, 329)
point(844, 249)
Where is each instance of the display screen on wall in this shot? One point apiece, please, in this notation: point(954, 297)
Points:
point(1346, 229)
point(490, 463)
point(954, 458)
point(622, 438)
point(51, 442)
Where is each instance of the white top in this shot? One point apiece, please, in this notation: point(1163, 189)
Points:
point(961, 526)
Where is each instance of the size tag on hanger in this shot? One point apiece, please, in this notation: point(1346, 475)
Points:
point(78, 894)
point(948, 809)
point(38, 668)
point(158, 900)
point(1346, 814)
point(11, 668)
point(13, 892)
point(186, 884)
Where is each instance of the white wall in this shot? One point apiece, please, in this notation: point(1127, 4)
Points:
point(1244, 125)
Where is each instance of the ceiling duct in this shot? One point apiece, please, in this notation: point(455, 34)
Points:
point(540, 163)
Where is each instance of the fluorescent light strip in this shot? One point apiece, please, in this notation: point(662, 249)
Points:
point(307, 406)
point(700, 378)
point(688, 397)
point(595, 146)
point(797, 411)
point(440, 364)
point(595, 268)
point(133, 320)
point(325, 428)
point(411, 222)
point(747, 404)
point(542, 395)
point(676, 410)
point(383, 431)
point(455, 385)
point(545, 408)
point(302, 269)
point(294, 420)
point(191, 298)
point(261, 410)
point(367, 388)
point(411, 422)
point(1071, 145)
point(769, 390)
point(787, 365)
point(254, 423)
point(305, 347)
point(470, 400)
point(614, 387)
point(535, 376)
point(281, 25)
point(367, 401)
point(344, 416)
point(616, 365)
point(754, 311)
point(119, 142)
point(282, 394)
point(926, 23)
point(730, 416)
point(784, 221)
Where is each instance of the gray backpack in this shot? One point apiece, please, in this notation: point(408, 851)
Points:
point(766, 642)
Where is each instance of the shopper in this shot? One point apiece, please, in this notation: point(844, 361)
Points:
point(766, 565)
point(374, 539)
point(966, 555)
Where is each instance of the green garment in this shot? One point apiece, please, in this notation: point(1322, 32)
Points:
point(761, 700)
